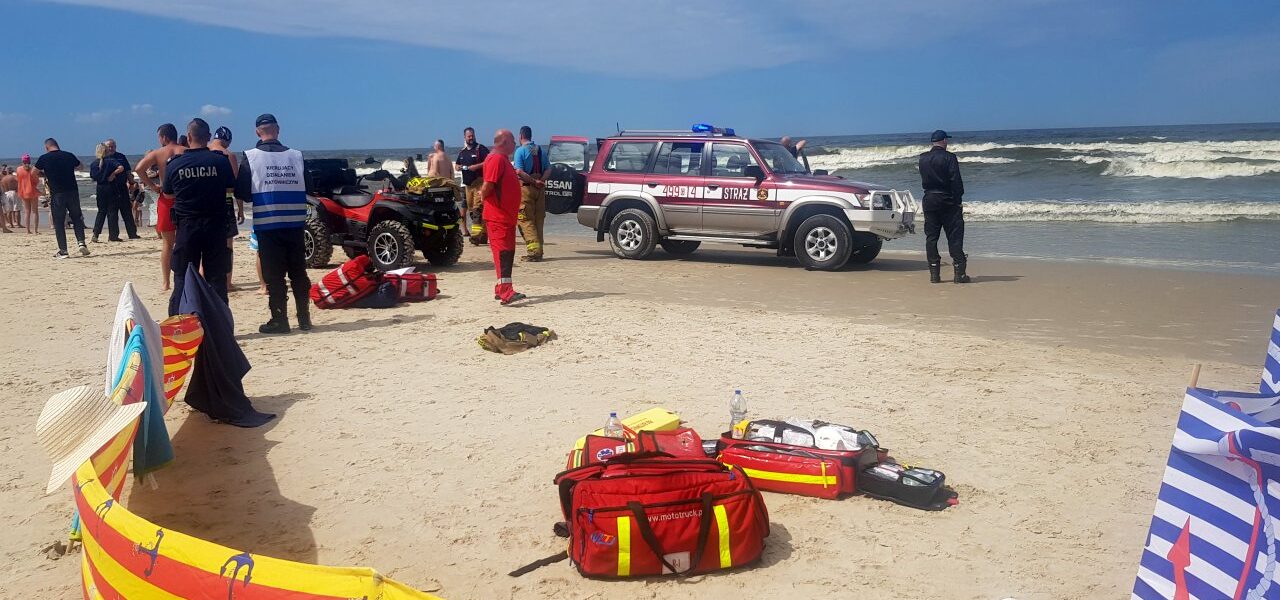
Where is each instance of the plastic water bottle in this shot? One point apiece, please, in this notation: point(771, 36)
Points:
point(613, 428)
point(737, 411)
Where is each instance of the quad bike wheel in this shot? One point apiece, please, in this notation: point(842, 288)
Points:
point(318, 248)
point(446, 253)
point(390, 245)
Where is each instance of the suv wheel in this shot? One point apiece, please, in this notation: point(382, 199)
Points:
point(390, 245)
point(823, 242)
point(867, 248)
point(317, 247)
point(680, 247)
point(633, 234)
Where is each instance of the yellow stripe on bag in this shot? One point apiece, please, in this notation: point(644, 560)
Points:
point(722, 523)
point(624, 546)
point(823, 480)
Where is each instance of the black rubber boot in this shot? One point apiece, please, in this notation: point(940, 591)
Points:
point(304, 316)
point(935, 273)
point(961, 276)
point(279, 322)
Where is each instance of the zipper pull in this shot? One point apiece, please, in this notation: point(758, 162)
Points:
point(591, 515)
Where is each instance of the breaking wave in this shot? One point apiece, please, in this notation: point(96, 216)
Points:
point(1122, 212)
point(1158, 159)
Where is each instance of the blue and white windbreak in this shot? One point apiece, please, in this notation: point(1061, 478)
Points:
point(1271, 365)
point(1213, 532)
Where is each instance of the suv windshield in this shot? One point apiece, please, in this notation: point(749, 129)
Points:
point(778, 158)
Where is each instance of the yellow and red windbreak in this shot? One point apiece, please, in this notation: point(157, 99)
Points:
point(125, 556)
point(182, 335)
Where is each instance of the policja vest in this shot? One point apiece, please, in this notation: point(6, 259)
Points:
point(277, 189)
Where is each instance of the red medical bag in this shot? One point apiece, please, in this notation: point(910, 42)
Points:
point(807, 470)
point(414, 287)
point(344, 285)
point(639, 515)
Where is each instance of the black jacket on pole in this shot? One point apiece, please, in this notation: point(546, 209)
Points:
point(216, 387)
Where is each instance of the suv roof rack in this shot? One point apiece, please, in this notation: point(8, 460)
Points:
point(668, 133)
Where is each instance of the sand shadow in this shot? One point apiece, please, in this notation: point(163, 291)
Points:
point(220, 487)
point(562, 297)
point(992, 278)
point(344, 327)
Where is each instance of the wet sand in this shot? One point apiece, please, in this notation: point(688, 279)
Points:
point(1045, 391)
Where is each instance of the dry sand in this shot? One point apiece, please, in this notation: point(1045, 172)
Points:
point(1046, 392)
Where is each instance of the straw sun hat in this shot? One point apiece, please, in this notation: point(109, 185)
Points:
point(77, 423)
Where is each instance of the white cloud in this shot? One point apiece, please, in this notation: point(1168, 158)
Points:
point(97, 117)
point(213, 110)
point(142, 109)
point(674, 39)
point(13, 118)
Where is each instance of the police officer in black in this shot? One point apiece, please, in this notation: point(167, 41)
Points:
point(198, 179)
point(943, 190)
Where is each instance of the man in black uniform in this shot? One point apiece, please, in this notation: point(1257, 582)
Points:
point(470, 162)
point(943, 189)
point(198, 180)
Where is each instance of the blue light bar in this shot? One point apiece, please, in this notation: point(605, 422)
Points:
point(704, 128)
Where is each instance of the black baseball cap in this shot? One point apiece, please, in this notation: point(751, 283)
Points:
point(938, 135)
point(223, 134)
point(265, 119)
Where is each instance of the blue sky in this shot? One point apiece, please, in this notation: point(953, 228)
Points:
point(381, 73)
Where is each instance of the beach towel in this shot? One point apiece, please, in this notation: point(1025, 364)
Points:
point(151, 448)
point(514, 338)
point(130, 312)
point(216, 387)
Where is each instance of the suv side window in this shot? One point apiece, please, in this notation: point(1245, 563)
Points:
point(679, 158)
point(729, 160)
point(629, 157)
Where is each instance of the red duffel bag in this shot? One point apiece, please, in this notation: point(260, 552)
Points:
point(344, 285)
point(797, 468)
point(640, 515)
point(414, 287)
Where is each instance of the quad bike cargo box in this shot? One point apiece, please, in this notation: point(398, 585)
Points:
point(640, 515)
point(781, 457)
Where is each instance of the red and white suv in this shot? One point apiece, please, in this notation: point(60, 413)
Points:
point(677, 189)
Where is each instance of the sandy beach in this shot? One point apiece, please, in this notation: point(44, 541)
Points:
point(1045, 391)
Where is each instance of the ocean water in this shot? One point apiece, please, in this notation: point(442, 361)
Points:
point(1201, 197)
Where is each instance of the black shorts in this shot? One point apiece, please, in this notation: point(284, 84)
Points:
point(232, 230)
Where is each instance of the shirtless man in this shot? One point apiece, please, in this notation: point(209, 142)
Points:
point(167, 134)
point(9, 191)
point(439, 165)
point(221, 143)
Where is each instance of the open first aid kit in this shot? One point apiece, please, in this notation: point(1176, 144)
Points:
point(810, 458)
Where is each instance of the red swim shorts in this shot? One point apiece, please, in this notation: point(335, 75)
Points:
point(164, 214)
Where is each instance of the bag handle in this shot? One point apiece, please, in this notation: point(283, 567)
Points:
point(704, 531)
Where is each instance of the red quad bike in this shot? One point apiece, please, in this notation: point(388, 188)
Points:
point(387, 224)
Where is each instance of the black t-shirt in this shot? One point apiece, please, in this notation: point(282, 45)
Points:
point(472, 156)
point(59, 168)
point(198, 180)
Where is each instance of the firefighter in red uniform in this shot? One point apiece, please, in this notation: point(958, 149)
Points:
point(501, 196)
